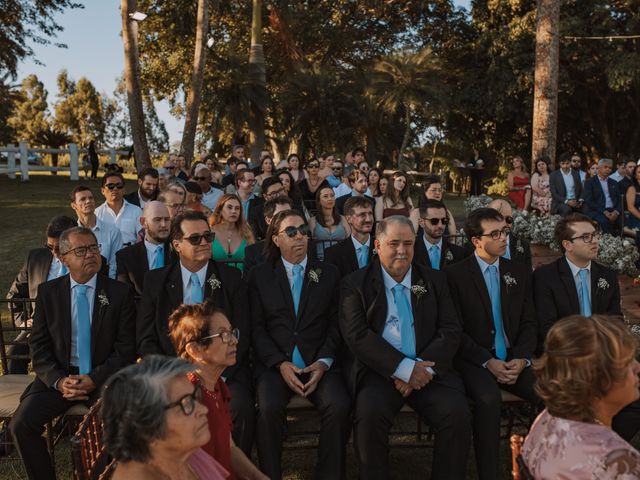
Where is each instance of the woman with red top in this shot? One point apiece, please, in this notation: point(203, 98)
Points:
point(202, 334)
point(519, 187)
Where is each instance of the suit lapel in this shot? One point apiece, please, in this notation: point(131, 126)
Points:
point(98, 310)
point(283, 282)
point(443, 254)
point(377, 313)
point(65, 304)
point(417, 305)
point(306, 287)
point(481, 286)
point(173, 286)
point(145, 258)
point(350, 251)
point(569, 284)
point(504, 296)
point(45, 266)
point(596, 293)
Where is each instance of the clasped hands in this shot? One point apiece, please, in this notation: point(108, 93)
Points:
point(506, 372)
point(76, 387)
point(290, 374)
point(420, 378)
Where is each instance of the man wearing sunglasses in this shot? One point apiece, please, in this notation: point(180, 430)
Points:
point(493, 297)
point(518, 249)
point(117, 211)
point(336, 179)
point(210, 194)
point(194, 278)
point(431, 251)
point(296, 342)
point(83, 332)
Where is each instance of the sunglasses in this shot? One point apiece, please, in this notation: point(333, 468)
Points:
point(201, 179)
point(113, 186)
point(336, 169)
point(436, 221)
point(291, 232)
point(187, 403)
point(169, 168)
point(53, 249)
point(197, 239)
point(313, 165)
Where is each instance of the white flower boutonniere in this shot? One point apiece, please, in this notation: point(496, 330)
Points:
point(102, 298)
point(509, 280)
point(314, 275)
point(449, 256)
point(419, 290)
point(213, 282)
point(602, 284)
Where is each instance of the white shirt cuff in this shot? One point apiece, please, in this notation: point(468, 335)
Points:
point(327, 361)
point(404, 370)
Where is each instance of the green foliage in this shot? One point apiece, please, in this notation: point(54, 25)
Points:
point(29, 113)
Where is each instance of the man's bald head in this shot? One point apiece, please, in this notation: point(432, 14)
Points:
point(156, 222)
point(502, 206)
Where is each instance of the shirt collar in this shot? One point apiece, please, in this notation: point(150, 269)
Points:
point(484, 265)
point(186, 274)
point(151, 247)
point(357, 244)
point(428, 244)
point(288, 266)
point(389, 282)
point(91, 283)
point(575, 269)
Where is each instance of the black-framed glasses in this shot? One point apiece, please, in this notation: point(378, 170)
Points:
point(496, 234)
point(588, 237)
point(508, 220)
point(187, 403)
point(436, 221)
point(82, 251)
point(225, 336)
point(291, 232)
point(52, 249)
point(276, 193)
point(197, 238)
point(336, 169)
point(113, 186)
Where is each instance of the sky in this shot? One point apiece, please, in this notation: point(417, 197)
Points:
point(95, 52)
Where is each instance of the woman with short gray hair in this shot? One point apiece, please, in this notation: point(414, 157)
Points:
point(154, 423)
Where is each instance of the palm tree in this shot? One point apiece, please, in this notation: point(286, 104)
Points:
point(53, 138)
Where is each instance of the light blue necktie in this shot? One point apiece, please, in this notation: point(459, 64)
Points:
point(500, 341)
point(158, 259)
point(296, 290)
point(434, 255)
point(405, 315)
point(585, 307)
point(196, 289)
point(507, 252)
point(83, 332)
point(363, 257)
point(63, 270)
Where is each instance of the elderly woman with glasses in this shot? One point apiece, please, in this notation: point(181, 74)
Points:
point(155, 424)
point(202, 334)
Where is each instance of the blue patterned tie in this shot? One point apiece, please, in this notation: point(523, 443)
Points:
point(363, 257)
point(296, 290)
point(405, 316)
point(434, 255)
point(83, 332)
point(500, 341)
point(196, 289)
point(158, 259)
point(585, 307)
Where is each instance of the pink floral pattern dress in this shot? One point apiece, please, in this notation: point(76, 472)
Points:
point(561, 449)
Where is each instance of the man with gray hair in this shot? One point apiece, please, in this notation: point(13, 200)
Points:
point(402, 331)
point(83, 332)
point(602, 197)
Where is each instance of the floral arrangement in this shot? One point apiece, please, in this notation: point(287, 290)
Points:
point(619, 254)
point(474, 202)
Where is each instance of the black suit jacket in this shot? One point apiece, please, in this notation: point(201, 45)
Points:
point(163, 293)
point(340, 201)
point(253, 256)
point(556, 295)
point(132, 197)
point(471, 297)
point(559, 190)
point(363, 313)
point(450, 253)
point(594, 198)
point(256, 217)
point(343, 255)
point(133, 264)
point(112, 330)
point(277, 329)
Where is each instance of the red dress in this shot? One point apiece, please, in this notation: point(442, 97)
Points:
point(220, 424)
point(517, 197)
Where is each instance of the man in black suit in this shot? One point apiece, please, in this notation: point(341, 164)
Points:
point(494, 302)
point(271, 188)
point(83, 327)
point(566, 188)
point(359, 185)
point(430, 249)
point(518, 249)
point(192, 279)
point(402, 332)
point(254, 253)
point(154, 252)
point(356, 251)
point(296, 342)
point(602, 197)
point(147, 188)
point(245, 183)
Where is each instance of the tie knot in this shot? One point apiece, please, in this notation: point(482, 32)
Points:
point(297, 269)
point(81, 289)
point(583, 273)
point(433, 248)
point(398, 288)
point(160, 249)
point(194, 279)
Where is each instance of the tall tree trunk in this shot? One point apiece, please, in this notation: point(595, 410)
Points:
point(197, 78)
point(132, 81)
point(545, 101)
point(402, 163)
point(258, 82)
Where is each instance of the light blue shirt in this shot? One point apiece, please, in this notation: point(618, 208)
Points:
point(210, 198)
point(91, 294)
point(575, 273)
point(54, 269)
point(569, 184)
point(186, 284)
point(428, 245)
point(245, 206)
point(484, 268)
point(605, 188)
point(110, 241)
point(357, 244)
point(151, 252)
point(616, 176)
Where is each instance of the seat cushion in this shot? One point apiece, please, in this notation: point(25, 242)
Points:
point(11, 389)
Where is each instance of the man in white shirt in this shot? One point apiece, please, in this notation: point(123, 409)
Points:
point(621, 170)
point(117, 211)
point(210, 195)
point(566, 188)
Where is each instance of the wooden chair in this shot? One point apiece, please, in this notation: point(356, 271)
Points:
point(90, 458)
point(519, 470)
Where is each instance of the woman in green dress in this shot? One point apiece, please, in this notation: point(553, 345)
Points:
point(232, 231)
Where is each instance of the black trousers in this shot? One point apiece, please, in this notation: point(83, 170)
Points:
point(442, 405)
point(334, 405)
point(483, 388)
point(627, 422)
point(243, 409)
point(21, 347)
point(38, 405)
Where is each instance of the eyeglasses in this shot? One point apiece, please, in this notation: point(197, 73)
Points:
point(496, 234)
point(313, 165)
point(509, 220)
point(197, 238)
point(82, 251)
point(336, 169)
point(187, 403)
point(588, 237)
point(225, 336)
point(202, 179)
point(436, 221)
point(291, 232)
point(53, 249)
point(435, 190)
point(275, 193)
point(113, 186)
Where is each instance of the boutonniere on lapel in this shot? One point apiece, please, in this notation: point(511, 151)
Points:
point(509, 281)
point(314, 275)
point(519, 247)
point(602, 284)
point(449, 256)
point(213, 282)
point(102, 298)
point(374, 252)
point(419, 290)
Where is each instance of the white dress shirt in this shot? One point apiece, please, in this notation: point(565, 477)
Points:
point(616, 176)
point(186, 278)
point(210, 198)
point(605, 188)
point(91, 294)
point(575, 273)
point(127, 220)
point(110, 241)
point(341, 190)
